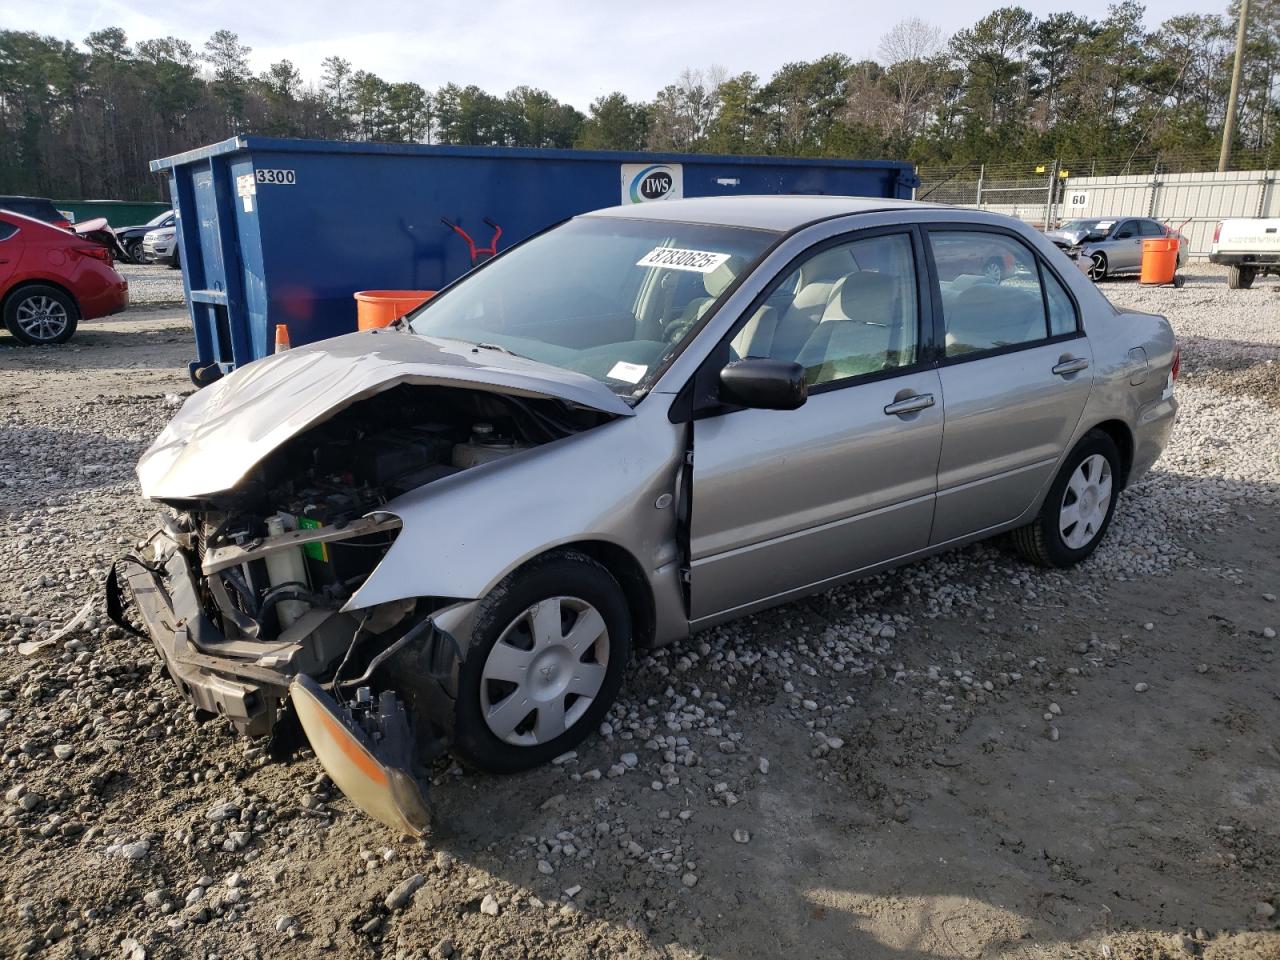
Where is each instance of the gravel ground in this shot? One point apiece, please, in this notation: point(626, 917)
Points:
point(965, 758)
point(152, 284)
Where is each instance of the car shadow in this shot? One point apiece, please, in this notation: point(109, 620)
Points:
point(935, 830)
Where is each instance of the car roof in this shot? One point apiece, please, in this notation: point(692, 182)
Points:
point(780, 212)
point(13, 218)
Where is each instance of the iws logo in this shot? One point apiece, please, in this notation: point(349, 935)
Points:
point(645, 183)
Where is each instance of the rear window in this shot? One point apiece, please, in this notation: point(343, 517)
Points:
point(31, 207)
point(7, 230)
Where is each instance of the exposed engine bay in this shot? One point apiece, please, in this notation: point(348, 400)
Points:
point(328, 479)
point(243, 591)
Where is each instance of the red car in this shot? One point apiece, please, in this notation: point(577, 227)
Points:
point(51, 279)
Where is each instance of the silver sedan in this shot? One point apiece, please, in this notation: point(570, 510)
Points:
point(452, 534)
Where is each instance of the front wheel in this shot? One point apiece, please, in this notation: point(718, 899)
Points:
point(1078, 508)
point(546, 660)
point(1097, 267)
point(134, 249)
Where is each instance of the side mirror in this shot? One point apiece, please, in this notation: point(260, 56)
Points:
point(764, 384)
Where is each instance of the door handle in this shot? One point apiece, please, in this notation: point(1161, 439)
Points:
point(1068, 367)
point(922, 401)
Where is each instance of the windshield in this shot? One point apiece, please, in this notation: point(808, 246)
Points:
point(1073, 226)
point(157, 220)
point(608, 297)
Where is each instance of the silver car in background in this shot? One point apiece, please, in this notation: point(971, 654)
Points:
point(453, 533)
point(1110, 246)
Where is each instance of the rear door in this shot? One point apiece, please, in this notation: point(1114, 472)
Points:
point(1015, 377)
point(784, 500)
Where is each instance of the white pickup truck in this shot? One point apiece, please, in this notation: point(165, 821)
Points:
point(1248, 247)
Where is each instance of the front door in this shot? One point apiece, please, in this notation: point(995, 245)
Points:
point(787, 500)
point(1124, 249)
point(1015, 378)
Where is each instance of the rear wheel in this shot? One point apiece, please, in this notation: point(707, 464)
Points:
point(1079, 507)
point(1240, 278)
point(39, 315)
point(546, 660)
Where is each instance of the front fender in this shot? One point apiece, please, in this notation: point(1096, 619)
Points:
point(463, 534)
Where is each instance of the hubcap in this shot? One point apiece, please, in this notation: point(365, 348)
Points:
point(41, 318)
point(1085, 502)
point(544, 672)
point(1099, 268)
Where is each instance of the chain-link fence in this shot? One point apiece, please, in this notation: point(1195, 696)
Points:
point(1176, 190)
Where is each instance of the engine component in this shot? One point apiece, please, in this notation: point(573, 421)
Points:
point(286, 567)
point(485, 445)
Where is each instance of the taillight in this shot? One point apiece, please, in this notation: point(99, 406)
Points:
point(97, 253)
point(1177, 362)
point(1217, 231)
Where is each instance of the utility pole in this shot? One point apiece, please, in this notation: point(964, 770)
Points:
point(1229, 128)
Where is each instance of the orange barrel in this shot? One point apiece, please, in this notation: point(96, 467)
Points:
point(1159, 260)
point(380, 308)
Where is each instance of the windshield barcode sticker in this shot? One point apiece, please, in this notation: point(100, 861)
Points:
point(627, 372)
point(674, 258)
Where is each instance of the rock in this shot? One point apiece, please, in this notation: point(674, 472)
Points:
point(565, 757)
point(741, 836)
point(489, 905)
point(763, 765)
point(545, 868)
point(444, 861)
point(1141, 687)
point(629, 760)
point(64, 751)
point(226, 810)
point(690, 880)
point(442, 950)
point(573, 891)
point(1264, 910)
point(132, 949)
point(1181, 943)
point(285, 922)
point(30, 801)
point(399, 897)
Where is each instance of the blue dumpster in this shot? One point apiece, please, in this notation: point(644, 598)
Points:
point(285, 231)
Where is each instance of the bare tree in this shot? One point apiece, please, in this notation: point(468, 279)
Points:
point(910, 53)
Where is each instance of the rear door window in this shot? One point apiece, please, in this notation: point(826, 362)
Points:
point(993, 294)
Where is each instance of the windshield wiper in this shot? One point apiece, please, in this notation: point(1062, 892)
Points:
point(499, 348)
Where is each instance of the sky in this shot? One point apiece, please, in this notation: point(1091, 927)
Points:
point(575, 49)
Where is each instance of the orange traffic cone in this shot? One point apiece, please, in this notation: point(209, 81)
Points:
point(282, 338)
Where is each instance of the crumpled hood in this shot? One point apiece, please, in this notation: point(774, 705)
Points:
point(222, 431)
point(1070, 237)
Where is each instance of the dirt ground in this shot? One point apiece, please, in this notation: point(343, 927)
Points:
point(966, 758)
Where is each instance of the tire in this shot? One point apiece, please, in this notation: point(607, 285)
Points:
point(1240, 278)
point(134, 249)
point(508, 725)
point(1044, 541)
point(1097, 267)
point(39, 315)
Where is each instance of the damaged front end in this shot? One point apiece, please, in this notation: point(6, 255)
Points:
point(295, 659)
point(248, 593)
